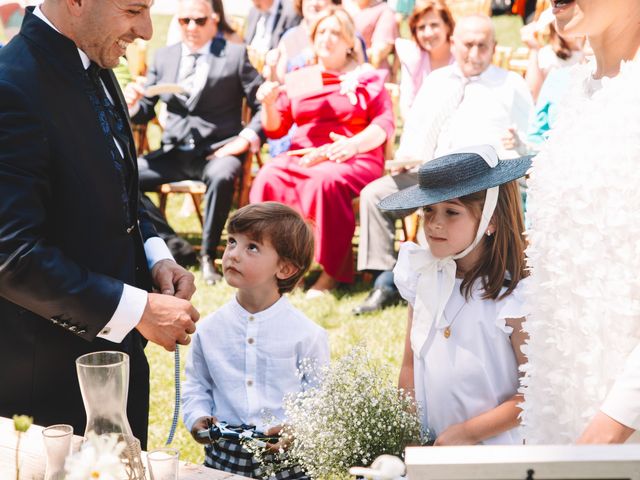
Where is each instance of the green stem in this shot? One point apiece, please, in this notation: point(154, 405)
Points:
point(18, 456)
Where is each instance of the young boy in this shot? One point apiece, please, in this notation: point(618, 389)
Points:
point(244, 357)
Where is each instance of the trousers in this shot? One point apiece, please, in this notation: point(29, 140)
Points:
point(377, 228)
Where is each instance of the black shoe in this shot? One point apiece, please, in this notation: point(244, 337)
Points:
point(209, 274)
point(378, 299)
point(182, 251)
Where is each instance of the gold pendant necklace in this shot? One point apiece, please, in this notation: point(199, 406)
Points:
point(447, 329)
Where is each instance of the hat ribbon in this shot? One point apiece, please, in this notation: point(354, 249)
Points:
point(437, 277)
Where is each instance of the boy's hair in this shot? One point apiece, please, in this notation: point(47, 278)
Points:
point(284, 228)
point(504, 250)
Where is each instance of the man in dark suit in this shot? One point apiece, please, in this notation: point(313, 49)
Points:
point(203, 137)
point(267, 21)
point(78, 255)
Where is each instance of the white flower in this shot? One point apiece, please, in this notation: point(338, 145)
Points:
point(98, 459)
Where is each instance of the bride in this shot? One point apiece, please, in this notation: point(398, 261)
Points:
point(582, 382)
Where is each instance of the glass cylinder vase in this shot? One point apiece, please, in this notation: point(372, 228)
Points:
point(104, 384)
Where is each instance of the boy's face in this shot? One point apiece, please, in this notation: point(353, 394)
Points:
point(249, 264)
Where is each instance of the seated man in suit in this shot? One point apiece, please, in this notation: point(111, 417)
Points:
point(267, 21)
point(469, 102)
point(203, 136)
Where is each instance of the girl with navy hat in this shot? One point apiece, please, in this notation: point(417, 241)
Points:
point(463, 344)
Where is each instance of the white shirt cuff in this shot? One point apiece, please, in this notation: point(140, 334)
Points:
point(135, 108)
point(252, 137)
point(155, 249)
point(127, 315)
point(623, 401)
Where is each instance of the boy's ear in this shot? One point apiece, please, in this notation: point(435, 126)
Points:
point(286, 270)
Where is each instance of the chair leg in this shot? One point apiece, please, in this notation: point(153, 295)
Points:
point(410, 225)
point(163, 203)
point(197, 201)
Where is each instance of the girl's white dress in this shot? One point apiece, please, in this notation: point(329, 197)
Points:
point(583, 206)
point(475, 369)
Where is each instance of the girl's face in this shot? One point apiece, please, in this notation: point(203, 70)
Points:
point(450, 227)
point(586, 17)
point(431, 31)
point(329, 44)
point(312, 8)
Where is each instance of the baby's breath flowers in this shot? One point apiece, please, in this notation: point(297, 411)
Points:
point(354, 415)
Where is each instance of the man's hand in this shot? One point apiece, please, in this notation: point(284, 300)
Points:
point(282, 444)
point(171, 279)
point(604, 429)
point(234, 148)
point(168, 320)
point(203, 423)
point(134, 91)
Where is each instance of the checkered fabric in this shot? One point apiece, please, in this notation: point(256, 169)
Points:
point(230, 456)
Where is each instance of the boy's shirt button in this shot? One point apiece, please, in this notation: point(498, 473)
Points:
point(249, 383)
point(250, 341)
point(251, 318)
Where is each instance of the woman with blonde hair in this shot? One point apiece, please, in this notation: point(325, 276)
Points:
point(337, 148)
point(431, 25)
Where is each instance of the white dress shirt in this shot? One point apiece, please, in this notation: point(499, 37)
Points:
point(241, 365)
point(133, 300)
point(493, 101)
point(261, 40)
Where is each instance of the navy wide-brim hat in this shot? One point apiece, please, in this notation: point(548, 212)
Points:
point(456, 175)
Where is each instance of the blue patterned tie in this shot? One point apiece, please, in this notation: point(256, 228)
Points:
point(114, 128)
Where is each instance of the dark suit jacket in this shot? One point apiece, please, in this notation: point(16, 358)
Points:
point(216, 114)
point(286, 17)
point(66, 249)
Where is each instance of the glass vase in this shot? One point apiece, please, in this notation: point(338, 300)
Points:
point(104, 384)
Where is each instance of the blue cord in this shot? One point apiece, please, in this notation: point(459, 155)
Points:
point(176, 407)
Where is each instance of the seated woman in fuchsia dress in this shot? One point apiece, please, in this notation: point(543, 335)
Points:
point(342, 128)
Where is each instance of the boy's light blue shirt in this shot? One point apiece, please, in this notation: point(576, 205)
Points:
point(241, 365)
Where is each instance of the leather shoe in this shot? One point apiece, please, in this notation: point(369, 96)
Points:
point(209, 274)
point(377, 299)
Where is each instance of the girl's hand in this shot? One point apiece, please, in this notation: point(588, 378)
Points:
point(268, 93)
point(604, 429)
point(203, 423)
point(342, 149)
point(456, 434)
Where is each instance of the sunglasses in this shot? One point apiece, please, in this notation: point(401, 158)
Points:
point(198, 21)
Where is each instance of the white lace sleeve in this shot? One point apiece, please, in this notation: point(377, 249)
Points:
point(513, 306)
point(405, 278)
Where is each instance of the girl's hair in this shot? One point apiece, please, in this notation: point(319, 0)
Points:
point(347, 27)
point(297, 4)
point(223, 25)
point(284, 228)
point(560, 46)
point(504, 250)
point(439, 7)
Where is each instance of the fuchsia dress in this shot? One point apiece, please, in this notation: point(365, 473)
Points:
point(323, 193)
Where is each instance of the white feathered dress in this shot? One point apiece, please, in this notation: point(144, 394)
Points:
point(584, 253)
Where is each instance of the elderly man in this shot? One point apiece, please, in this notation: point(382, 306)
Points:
point(470, 102)
point(203, 136)
point(78, 255)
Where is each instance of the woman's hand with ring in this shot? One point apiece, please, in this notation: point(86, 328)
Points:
point(342, 149)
